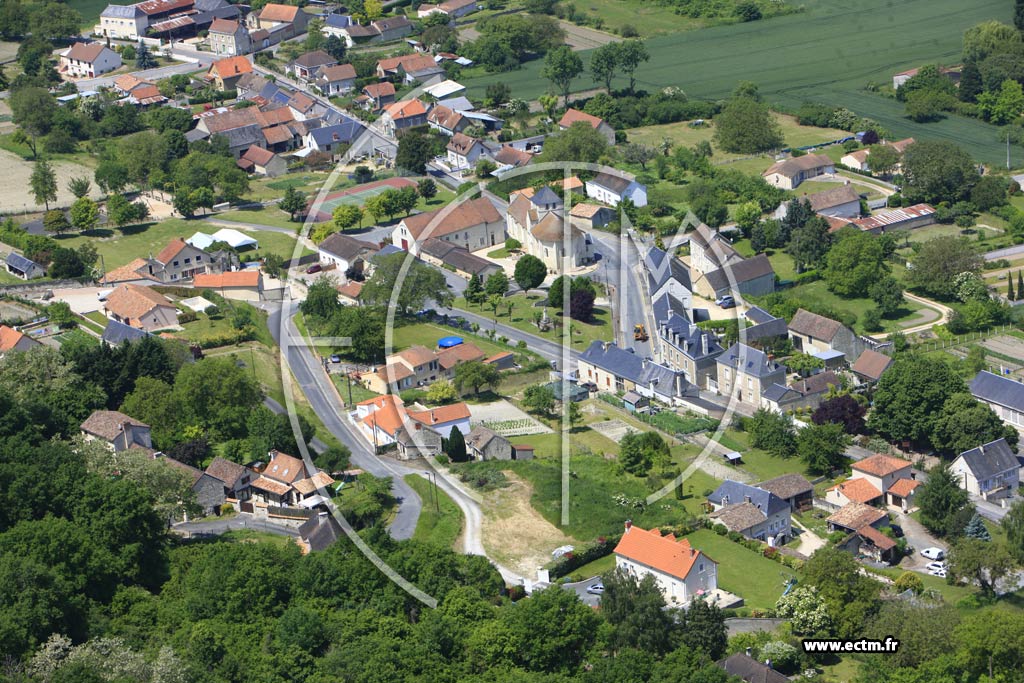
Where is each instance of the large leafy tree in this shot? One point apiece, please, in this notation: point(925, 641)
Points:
point(979, 562)
point(631, 54)
point(702, 629)
point(33, 110)
point(746, 126)
point(43, 183)
point(943, 503)
point(822, 447)
point(580, 142)
point(910, 397)
point(966, 423)
point(604, 62)
point(415, 148)
point(1013, 525)
point(854, 263)
point(420, 285)
point(809, 243)
point(772, 432)
point(530, 272)
point(476, 374)
point(938, 263)
point(850, 597)
point(561, 67)
point(640, 451)
point(935, 171)
point(844, 410)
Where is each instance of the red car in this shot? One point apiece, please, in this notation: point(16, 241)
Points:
point(315, 268)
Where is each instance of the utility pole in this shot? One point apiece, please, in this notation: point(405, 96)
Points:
point(1007, 150)
point(432, 478)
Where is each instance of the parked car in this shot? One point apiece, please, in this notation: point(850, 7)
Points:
point(335, 358)
point(725, 302)
point(596, 589)
point(315, 268)
point(935, 566)
point(939, 572)
point(934, 553)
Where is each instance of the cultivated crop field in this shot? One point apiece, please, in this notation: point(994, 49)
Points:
point(826, 54)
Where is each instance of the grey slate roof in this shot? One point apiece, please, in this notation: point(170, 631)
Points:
point(546, 196)
point(758, 315)
point(990, 459)
point(346, 247)
point(196, 134)
point(468, 263)
point(749, 360)
point(778, 393)
point(999, 390)
point(742, 271)
point(764, 325)
point(659, 274)
point(19, 262)
point(121, 12)
point(321, 531)
point(118, 333)
point(666, 305)
point(787, 486)
point(750, 670)
point(687, 337)
point(340, 132)
point(615, 183)
point(733, 493)
point(246, 136)
point(338, 21)
point(622, 363)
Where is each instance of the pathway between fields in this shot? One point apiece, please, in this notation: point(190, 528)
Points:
point(945, 310)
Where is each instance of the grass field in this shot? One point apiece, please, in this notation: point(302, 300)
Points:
point(757, 462)
point(809, 57)
point(89, 9)
point(817, 293)
point(756, 579)
point(118, 247)
point(683, 135)
point(523, 309)
point(268, 215)
point(648, 18)
point(441, 524)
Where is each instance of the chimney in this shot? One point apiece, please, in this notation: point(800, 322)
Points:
point(703, 344)
point(746, 499)
point(628, 525)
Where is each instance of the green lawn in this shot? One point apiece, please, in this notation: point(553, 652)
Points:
point(359, 393)
point(756, 579)
point(206, 327)
point(270, 215)
point(427, 334)
point(523, 309)
point(683, 135)
point(250, 536)
point(598, 567)
point(262, 189)
point(782, 55)
point(816, 293)
point(120, 246)
point(758, 463)
point(439, 524)
point(648, 18)
point(932, 231)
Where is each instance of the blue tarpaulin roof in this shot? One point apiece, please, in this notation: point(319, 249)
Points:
point(448, 342)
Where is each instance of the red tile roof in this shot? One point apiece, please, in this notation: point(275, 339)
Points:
point(223, 26)
point(387, 414)
point(877, 537)
point(881, 465)
point(435, 416)
point(857, 490)
point(284, 467)
point(405, 109)
point(904, 487)
point(572, 116)
point(172, 249)
point(131, 302)
point(453, 218)
point(662, 553)
point(10, 337)
point(378, 90)
point(249, 277)
point(232, 66)
point(279, 13)
point(85, 52)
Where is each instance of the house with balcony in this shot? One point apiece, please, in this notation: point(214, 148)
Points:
point(681, 571)
point(991, 471)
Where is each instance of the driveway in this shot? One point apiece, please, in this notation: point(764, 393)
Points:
point(219, 525)
point(918, 538)
point(580, 589)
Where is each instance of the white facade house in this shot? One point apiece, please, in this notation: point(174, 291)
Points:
point(126, 22)
point(612, 189)
point(1003, 395)
point(681, 571)
point(89, 60)
point(989, 471)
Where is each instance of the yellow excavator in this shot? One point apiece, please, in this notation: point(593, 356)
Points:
point(639, 332)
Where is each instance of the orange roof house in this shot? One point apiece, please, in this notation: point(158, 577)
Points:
point(140, 307)
point(274, 13)
point(226, 72)
point(572, 116)
point(857, 490)
point(239, 278)
point(881, 465)
point(14, 340)
point(682, 571)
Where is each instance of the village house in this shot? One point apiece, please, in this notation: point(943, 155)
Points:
point(585, 214)
point(870, 543)
point(179, 261)
point(403, 114)
point(305, 67)
point(1002, 394)
point(401, 68)
point(508, 157)
point(789, 173)
point(349, 293)
point(806, 393)
point(668, 276)
point(842, 201)
point(814, 334)
point(885, 473)
point(19, 266)
point(117, 431)
point(290, 18)
point(611, 189)
point(239, 285)
point(749, 670)
point(794, 489)
point(88, 60)
point(224, 73)
point(453, 9)
point(229, 38)
point(991, 471)
point(855, 516)
point(472, 225)
point(858, 160)
point(208, 491)
point(745, 372)
point(573, 116)
point(613, 370)
point(486, 444)
point(336, 80)
point(447, 121)
point(453, 257)
point(378, 95)
point(15, 340)
point(412, 367)
point(537, 223)
point(123, 22)
point(688, 348)
point(753, 512)
point(384, 417)
point(117, 333)
point(464, 151)
point(753, 276)
point(347, 254)
point(871, 365)
point(681, 571)
point(259, 161)
point(855, 490)
point(710, 250)
point(333, 139)
point(140, 307)
point(284, 481)
point(762, 325)
point(235, 478)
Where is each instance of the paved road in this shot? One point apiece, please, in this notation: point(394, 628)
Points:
point(580, 589)
point(620, 269)
point(988, 509)
point(1007, 253)
point(309, 378)
point(918, 538)
point(945, 313)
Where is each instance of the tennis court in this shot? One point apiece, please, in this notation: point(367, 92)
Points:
point(358, 195)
